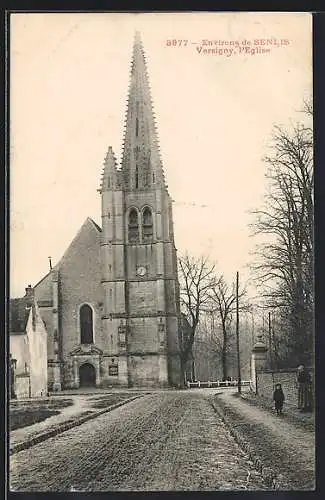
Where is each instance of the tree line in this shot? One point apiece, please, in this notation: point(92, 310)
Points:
point(282, 267)
point(284, 262)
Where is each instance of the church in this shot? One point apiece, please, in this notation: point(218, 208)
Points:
point(111, 304)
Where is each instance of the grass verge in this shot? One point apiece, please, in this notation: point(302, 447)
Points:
point(26, 417)
point(112, 399)
point(26, 413)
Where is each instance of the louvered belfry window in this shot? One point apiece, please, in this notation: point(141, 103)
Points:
point(147, 227)
point(133, 226)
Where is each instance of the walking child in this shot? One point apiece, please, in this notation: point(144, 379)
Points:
point(278, 398)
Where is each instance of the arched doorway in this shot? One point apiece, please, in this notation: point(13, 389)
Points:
point(87, 375)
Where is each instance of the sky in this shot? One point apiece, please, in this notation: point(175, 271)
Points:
point(69, 76)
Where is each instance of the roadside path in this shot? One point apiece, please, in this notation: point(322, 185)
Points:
point(285, 447)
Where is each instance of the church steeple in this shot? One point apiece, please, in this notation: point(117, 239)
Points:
point(141, 163)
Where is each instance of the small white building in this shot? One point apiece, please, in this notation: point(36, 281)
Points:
point(28, 348)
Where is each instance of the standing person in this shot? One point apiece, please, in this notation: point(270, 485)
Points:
point(278, 398)
point(12, 378)
point(304, 389)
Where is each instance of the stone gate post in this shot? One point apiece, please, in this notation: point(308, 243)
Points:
point(258, 360)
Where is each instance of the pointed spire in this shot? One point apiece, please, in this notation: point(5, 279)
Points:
point(141, 163)
point(109, 171)
point(137, 37)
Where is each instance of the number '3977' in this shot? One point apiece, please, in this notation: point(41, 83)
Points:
point(176, 43)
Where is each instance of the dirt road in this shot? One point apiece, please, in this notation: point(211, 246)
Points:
point(163, 441)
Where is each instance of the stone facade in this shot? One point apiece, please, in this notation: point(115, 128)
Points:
point(111, 304)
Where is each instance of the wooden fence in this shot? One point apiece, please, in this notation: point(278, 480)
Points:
point(217, 383)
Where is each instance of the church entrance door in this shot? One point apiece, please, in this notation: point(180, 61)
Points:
point(87, 375)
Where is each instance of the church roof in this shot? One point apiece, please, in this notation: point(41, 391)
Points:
point(57, 266)
point(94, 223)
point(85, 226)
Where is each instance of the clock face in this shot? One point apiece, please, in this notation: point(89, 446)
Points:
point(141, 271)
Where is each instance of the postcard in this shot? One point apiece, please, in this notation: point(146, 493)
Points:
point(161, 252)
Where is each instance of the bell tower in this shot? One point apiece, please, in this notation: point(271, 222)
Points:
point(139, 263)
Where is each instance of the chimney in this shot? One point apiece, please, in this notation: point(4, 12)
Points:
point(29, 291)
point(29, 296)
point(30, 303)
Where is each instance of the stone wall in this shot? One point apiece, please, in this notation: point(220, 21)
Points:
point(22, 386)
point(143, 297)
point(144, 370)
point(143, 335)
point(19, 350)
point(43, 295)
point(267, 379)
point(37, 340)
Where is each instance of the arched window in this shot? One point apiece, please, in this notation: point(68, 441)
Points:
point(133, 226)
point(147, 228)
point(86, 324)
point(136, 127)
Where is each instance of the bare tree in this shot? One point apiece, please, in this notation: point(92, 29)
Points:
point(196, 277)
point(307, 108)
point(207, 347)
point(284, 262)
point(223, 299)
